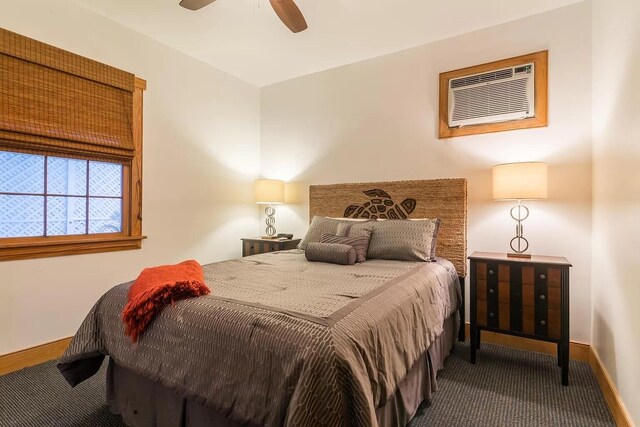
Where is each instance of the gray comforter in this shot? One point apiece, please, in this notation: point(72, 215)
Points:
point(280, 340)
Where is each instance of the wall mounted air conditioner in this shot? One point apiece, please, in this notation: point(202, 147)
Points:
point(502, 95)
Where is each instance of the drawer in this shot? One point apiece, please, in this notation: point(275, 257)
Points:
point(486, 270)
point(493, 315)
point(542, 325)
point(495, 293)
point(481, 308)
point(481, 289)
point(523, 298)
point(251, 247)
point(554, 324)
point(528, 295)
point(504, 273)
point(554, 298)
point(481, 270)
point(528, 320)
point(270, 247)
point(504, 293)
point(554, 278)
point(504, 316)
point(541, 276)
point(527, 275)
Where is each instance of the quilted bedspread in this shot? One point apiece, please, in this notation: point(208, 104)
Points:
point(281, 341)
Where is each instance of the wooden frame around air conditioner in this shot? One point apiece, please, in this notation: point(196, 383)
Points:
point(540, 59)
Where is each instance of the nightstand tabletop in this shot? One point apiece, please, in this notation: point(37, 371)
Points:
point(535, 259)
point(262, 239)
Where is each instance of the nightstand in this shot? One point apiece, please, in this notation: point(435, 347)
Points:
point(257, 245)
point(527, 297)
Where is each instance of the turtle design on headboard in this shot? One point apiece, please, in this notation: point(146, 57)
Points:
point(381, 206)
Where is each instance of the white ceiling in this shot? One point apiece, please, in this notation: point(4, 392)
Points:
point(245, 38)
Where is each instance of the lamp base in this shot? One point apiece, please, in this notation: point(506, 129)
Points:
point(517, 255)
point(270, 220)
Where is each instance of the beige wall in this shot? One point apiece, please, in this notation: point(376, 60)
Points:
point(377, 120)
point(616, 194)
point(373, 120)
point(201, 154)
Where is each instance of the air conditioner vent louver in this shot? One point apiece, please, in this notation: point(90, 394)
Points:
point(501, 95)
point(481, 78)
point(490, 100)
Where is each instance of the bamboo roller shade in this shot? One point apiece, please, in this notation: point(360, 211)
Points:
point(55, 101)
point(435, 198)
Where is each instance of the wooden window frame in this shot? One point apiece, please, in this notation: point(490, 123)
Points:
point(540, 59)
point(129, 238)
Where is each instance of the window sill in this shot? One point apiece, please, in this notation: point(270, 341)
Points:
point(43, 248)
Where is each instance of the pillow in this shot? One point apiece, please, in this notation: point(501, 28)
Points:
point(333, 253)
point(355, 229)
point(360, 244)
point(404, 240)
point(322, 225)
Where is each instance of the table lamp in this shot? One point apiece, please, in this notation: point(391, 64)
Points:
point(269, 192)
point(520, 181)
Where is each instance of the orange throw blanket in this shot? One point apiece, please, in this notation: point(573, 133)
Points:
point(157, 287)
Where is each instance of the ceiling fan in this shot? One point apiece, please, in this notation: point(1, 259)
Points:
point(286, 10)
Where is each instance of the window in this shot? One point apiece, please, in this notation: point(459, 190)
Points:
point(54, 196)
point(70, 153)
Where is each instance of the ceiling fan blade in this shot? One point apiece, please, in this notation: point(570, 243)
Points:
point(195, 4)
point(289, 14)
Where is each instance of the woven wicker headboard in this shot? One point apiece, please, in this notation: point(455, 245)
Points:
point(435, 198)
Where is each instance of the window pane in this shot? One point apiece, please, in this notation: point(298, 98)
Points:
point(66, 176)
point(105, 215)
point(105, 179)
point(21, 173)
point(66, 215)
point(21, 216)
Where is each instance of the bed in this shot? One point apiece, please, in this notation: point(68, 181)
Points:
point(285, 342)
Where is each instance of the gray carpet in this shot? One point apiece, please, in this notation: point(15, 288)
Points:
point(510, 387)
point(506, 388)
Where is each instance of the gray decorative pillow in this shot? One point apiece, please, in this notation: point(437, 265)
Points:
point(355, 229)
point(360, 244)
point(404, 240)
point(322, 225)
point(333, 253)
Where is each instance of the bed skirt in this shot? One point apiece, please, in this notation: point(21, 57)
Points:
point(145, 403)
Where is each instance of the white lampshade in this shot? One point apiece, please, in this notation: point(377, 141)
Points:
point(520, 181)
point(268, 191)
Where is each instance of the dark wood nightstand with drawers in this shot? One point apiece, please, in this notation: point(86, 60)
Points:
point(527, 297)
point(257, 245)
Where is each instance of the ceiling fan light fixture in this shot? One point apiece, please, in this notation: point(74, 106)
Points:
point(195, 4)
point(287, 11)
point(289, 14)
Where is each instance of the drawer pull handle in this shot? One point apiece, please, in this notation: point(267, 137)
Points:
point(491, 291)
point(491, 315)
point(542, 277)
point(542, 322)
point(543, 297)
point(490, 271)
